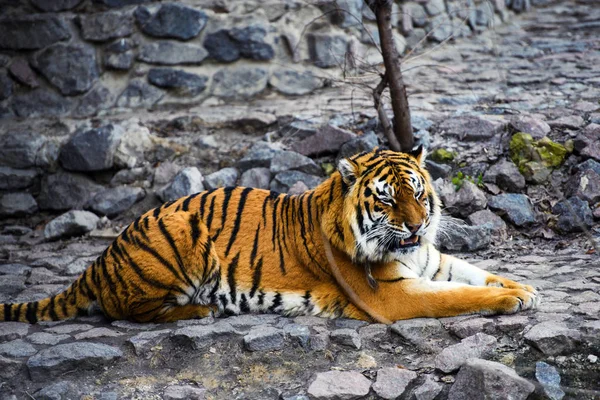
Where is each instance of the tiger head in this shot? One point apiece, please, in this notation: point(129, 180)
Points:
point(389, 204)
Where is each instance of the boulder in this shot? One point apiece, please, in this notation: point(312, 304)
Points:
point(391, 383)
point(17, 204)
point(283, 181)
point(574, 215)
point(91, 150)
point(553, 338)
point(55, 5)
point(139, 94)
point(187, 181)
point(171, 21)
point(114, 201)
point(11, 179)
point(264, 338)
point(289, 160)
point(166, 52)
point(325, 140)
point(71, 223)
point(294, 83)
point(239, 82)
point(100, 27)
point(40, 102)
point(222, 178)
point(327, 50)
point(339, 385)
point(256, 177)
point(476, 346)
point(465, 238)
point(31, 32)
point(64, 191)
point(517, 208)
point(178, 82)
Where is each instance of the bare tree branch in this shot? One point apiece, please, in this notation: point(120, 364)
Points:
point(385, 122)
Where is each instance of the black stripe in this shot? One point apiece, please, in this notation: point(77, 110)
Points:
point(256, 277)
point(17, 310)
point(276, 302)
point(274, 219)
point(160, 258)
point(261, 298)
point(167, 235)
point(203, 203)
point(8, 312)
point(156, 212)
point(238, 219)
point(391, 280)
point(359, 219)
point(211, 213)
point(140, 273)
point(186, 203)
point(339, 231)
point(309, 211)
point(52, 310)
point(244, 307)
point(223, 300)
point(231, 277)
point(366, 204)
point(112, 293)
point(427, 260)
point(331, 192)
point(194, 222)
point(228, 191)
point(63, 306)
point(254, 247)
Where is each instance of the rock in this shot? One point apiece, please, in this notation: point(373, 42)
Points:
point(327, 50)
point(202, 336)
point(65, 191)
point(440, 29)
point(239, 82)
point(259, 155)
point(178, 82)
point(120, 3)
point(171, 21)
point(172, 53)
point(187, 181)
point(40, 102)
point(469, 327)
point(283, 181)
point(119, 54)
point(97, 333)
point(256, 178)
point(472, 128)
point(71, 223)
point(585, 185)
point(437, 171)
point(6, 86)
point(574, 215)
point(21, 71)
point(252, 43)
point(339, 385)
point(32, 32)
point(416, 12)
point(99, 98)
point(298, 333)
point(246, 321)
point(264, 338)
point(467, 200)
point(549, 377)
point(57, 391)
point(221, 46)
point(165, 173)
point(100, 27)
point(139, 94)
point(366, 142)
point(424, 333)
point(289, 160)
point(143, 342)
point(489, 380)
point(17, 204)
point(506, 175)
point(327, 139)
point(114, 201)
point(589, 165)
point(535, 127)
point(552, 338)
point(13, 330)
point(70, 68)
point(222, 178)
point(294, 83)
point(17, 348)
point(9, 368)
point(55, 5)
point(465, 238)
point(516, 207)
point(569, 122)
point(346, 337)
point(535, 157)
point(21, 150)
point(13, 269)
point(298, 188)
point(392, 382)
point(476, 346)
point(57, 360)
point(183, 392)
point(135, 143)
point(591, 332)
point(91, 150)
point(48, 339)
point(428, 390)
point(488, 219)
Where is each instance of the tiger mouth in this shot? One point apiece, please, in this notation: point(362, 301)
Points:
point(402, 244)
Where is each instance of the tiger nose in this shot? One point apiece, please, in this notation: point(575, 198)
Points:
point(413, 228)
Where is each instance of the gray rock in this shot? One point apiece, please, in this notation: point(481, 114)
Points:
point(55, 5)
point(467, 200)
point(187, 181)
point(549, 377)
point(552, 338)
point(71, 223)
point(12, 285)
point(97, 333)
point(69, 328)
point(435, 7)
point(6, 86)
point(183, 392)
point(239, 82)
point(139, 94)
point(21, 72)
point(472, 128)
point(121, 3)
point(100, 27)
point(55, 361)
point(202, 336)
point(453, 357)
point(13, 269)
point(465, 238)
point(346, 323)
point(143, 342)
point(119, 54)
point(31, 33)
point(392, 382)
point(70, 68)
point(259, 155)
point(252, 43)
point(437, 170)
point(21, 150)
point(440, 28)
point(506, 175)
point(221, 46)
point(171, 21)
point(469, 327)
point(165, 173)
point(345, 13)
point(114, 201)
point(264, 338)
point(64, 191)
point(489, 380)
point(91, 150)
point(45, 338)
point(327, 139)
point(97, 99)
point(569, 122)
point(178, 82)
point(17, 348)
point(516, 207)
point(57, 391)
point(586, 186)
point(246, 321)
point(416, 12)
point(134, 146)
point(574, 215)
point(294, 83)
point(283, 181)
point(339, 385)
point(289, 160)
point(327, 50)
point(366, 142)
point(298, 188)
point(488, 219)
point(589, 165)
point(427, 334)
point(222, 178)
point(40, 102)
point(9, 368)
point(535, 127)
point(298, 333)
point(13, 330)
point(346, 337)
point(172, 53)
point(428, 390)
point(17, 204)
point(256, 178)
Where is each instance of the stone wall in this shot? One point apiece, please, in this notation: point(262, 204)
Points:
point(87, 57)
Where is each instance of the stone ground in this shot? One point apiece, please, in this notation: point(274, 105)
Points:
point(544, 66)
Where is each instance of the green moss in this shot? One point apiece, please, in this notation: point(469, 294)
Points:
point(536, 159)
point(328, 168)
point(521, 148)
point(551, 153)
point(442, 156)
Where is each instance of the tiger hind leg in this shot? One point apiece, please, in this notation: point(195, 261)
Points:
point(177, 312)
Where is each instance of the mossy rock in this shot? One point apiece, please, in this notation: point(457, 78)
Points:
point(536, 159)
point(442, 156)
point(328, 168)
point(551, 153)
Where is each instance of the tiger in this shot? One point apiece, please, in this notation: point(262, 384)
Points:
point(360, 245)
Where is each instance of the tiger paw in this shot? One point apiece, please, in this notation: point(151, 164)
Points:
point(515, 300)
point(498, 281)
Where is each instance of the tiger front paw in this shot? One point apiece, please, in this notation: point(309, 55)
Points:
point(515, 300)
point(498, 281)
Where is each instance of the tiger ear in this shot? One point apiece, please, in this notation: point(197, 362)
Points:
point(420, 153)
point(349, 170)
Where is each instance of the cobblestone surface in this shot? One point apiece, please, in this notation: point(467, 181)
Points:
point(543, 67)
